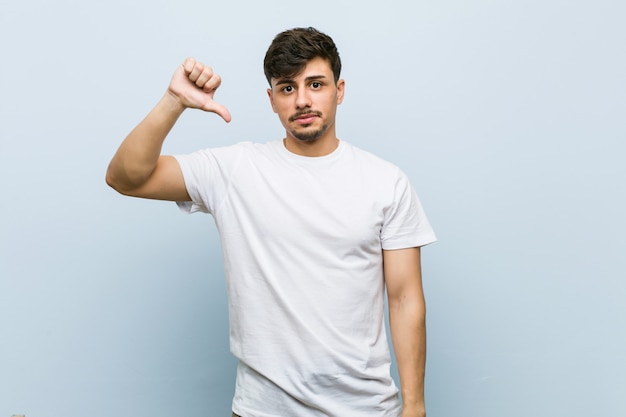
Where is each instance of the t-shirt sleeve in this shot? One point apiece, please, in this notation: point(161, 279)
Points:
point(405, 224)
point(205, 173)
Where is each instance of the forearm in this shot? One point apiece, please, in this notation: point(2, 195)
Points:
point(137, 156)
point(408, 333)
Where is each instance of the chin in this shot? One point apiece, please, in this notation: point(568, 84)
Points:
point(306, 138)
point(309, 136)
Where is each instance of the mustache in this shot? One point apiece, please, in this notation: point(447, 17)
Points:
point(305, 112)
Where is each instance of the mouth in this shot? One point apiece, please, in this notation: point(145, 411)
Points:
point(305, 118)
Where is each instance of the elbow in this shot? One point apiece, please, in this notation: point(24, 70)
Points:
point(114, 182)
point(111, 183)
point(108, 178)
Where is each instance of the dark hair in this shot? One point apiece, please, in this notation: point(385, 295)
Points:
point(292, 49)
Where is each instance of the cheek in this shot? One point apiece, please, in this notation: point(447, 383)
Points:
point(284, 110)
point(283, 114)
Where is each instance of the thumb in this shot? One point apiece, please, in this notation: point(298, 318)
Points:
point(221, 111)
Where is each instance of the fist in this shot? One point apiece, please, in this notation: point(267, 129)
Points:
point(194, 84)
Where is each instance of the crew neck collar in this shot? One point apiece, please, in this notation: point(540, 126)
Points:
point(311, 159)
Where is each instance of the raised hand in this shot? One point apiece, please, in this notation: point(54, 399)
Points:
point(194, 85)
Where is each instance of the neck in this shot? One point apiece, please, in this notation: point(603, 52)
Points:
point(319, 147)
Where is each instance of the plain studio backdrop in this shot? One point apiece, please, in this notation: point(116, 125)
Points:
point(508, 116)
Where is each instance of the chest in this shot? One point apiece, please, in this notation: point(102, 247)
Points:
point(342, 209)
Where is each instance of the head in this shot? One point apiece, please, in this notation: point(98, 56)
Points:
point(302, 67)
point(292, 49)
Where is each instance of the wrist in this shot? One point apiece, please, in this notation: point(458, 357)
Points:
point(414, 410)
point(173, 103)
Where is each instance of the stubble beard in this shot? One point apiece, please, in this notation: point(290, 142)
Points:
point(310, 136)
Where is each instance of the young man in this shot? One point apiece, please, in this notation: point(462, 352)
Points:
point(313, 230)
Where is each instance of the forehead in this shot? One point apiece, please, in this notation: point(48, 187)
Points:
point(315, 68)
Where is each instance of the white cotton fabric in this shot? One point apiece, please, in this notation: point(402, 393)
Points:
point(302, 239)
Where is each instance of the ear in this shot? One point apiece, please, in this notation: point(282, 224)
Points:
point(341, 86)
point(270, 94)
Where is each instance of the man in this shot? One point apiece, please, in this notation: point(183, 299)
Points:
point(313, 230)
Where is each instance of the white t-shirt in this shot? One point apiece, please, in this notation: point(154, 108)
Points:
point(302, 239)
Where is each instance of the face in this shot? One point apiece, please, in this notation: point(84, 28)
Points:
point(306, 104)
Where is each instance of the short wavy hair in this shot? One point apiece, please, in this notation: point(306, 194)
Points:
point(292, 49)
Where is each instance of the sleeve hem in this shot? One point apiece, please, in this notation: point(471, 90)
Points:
point(410, 243)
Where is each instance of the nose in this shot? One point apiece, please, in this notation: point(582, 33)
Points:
point(303, 98)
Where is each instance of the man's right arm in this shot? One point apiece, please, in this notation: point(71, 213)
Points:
point(138, 169)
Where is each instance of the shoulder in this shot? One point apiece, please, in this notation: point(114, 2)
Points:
point(235, 151)
point(372, 162)
point(251, 148)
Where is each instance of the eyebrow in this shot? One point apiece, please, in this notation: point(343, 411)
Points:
point(308, 79)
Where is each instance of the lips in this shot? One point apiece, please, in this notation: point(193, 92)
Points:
point(305, 118)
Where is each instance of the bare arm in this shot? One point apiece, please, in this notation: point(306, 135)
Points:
point(138, 168)
point(407, 317)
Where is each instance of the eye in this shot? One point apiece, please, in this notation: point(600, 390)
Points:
point(287, 89)
point(316, 85)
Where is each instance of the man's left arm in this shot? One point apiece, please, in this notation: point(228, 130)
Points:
point(407, 319)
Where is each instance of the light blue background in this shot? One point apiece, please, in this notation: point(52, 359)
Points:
point(508, 116)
